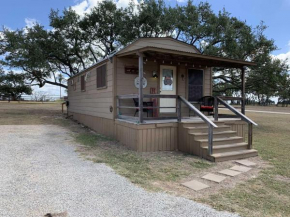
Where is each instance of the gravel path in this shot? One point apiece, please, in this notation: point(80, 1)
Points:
point(41, 173)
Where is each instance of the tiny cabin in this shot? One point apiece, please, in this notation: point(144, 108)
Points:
point(156, 95)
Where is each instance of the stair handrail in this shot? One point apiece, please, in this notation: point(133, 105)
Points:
point(241, 115)
point(210, 124)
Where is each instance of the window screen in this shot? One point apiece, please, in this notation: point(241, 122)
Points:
point(101, 76)
point(83, 83)
point(195, 84)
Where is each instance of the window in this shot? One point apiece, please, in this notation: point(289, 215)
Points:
point(101, 76)
point(83, 83)
point(75, 85)
point(195, 84)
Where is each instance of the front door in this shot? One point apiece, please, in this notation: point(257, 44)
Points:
point(167, 87)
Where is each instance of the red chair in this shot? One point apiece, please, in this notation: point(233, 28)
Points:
point(206, 104)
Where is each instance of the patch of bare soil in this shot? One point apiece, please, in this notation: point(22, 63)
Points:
point(282, 178)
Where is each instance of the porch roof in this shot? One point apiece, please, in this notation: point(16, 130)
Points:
point(178, 56)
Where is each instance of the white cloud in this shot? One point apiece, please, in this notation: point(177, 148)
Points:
point(30, 22)
point(181, 1)
point(284, 56)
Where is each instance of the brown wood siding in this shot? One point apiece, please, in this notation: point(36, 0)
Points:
point(100, 125)
point(93, 102)
point(149, 137)
point(125, 82)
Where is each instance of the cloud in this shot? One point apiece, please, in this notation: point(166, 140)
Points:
point(30, 22)
point(181, 1)
point(284, 56)
point(85, 6)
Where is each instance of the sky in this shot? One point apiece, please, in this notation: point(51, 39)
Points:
point(16, 14)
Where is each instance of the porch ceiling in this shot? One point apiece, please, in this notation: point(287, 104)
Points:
point(175, 57)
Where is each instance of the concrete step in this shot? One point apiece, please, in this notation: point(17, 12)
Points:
point(222, 141)
point(204, 129)
point(227, 148)
point(221, 134)
point(234, 155)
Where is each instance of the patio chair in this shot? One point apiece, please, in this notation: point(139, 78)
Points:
point(145, 104)
point(206, 104)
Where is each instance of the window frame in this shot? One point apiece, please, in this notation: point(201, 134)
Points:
point(101, 76)
point(83, 83)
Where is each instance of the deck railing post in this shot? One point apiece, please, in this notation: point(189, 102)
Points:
point(216, 109)
point(140, 88)
point(178, 109)
point(250, 135)
point(243, 101)
point(210, 139)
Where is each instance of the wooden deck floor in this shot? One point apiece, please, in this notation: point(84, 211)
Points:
point(184, 120)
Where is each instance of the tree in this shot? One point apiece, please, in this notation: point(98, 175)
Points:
point(74, 43)
point(14, 85)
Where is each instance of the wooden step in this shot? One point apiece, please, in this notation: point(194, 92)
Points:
point(222, 141)
point(201, 123)
point(234, 155)
point(221, 134)
point(227, 148)
point(204, 129)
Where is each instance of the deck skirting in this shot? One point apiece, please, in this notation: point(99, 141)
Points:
point(150, 137)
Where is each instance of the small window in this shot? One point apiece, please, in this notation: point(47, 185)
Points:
point(102, 76)
point(75, 85)
point(83, 83)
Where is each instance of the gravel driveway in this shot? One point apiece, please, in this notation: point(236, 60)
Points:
point(41, 173)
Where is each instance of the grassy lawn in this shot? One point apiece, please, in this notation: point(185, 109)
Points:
point(262, 194)
point(269, 193)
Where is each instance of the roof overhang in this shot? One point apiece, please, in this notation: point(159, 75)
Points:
point(181, 56)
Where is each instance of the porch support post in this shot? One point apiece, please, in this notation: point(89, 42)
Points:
point(140, 87)
point(243, 102)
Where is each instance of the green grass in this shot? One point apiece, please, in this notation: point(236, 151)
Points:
point(269, 193)
point(141, 168)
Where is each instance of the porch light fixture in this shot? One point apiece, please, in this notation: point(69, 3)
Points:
point(171, 62)
point(185, 64)
point(146, 59)
point(154, 74)
point(154, 61)
point(192, 65)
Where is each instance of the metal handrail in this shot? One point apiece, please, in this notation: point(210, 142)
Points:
point(196, 111)
point(210, 124)
point(242, 116)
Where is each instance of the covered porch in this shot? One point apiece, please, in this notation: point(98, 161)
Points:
point(175, 120)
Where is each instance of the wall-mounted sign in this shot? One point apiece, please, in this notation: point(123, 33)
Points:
point(136, 82)
point(131, 70)
point(167, 79)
